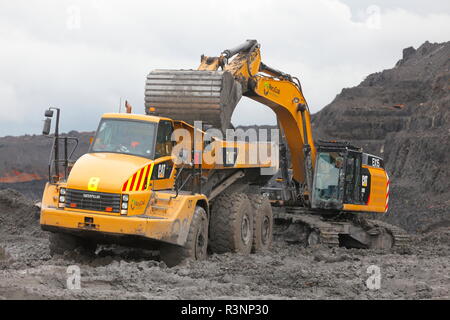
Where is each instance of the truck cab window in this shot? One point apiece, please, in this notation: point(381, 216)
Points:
point(125, 136)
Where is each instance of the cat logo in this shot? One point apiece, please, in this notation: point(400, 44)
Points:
point(161, 171)
point(93, 184)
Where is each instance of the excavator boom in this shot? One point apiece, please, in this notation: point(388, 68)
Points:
point(211, 96)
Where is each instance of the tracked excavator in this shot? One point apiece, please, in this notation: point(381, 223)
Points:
point(327, 189)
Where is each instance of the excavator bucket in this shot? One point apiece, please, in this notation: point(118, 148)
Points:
point(193, 95)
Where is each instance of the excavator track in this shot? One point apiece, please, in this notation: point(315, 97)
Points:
point(312, 224)
point(310, 227)
point(193, 95)
point(401, 237)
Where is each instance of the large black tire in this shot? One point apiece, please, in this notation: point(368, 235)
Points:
point(61, 242)
point(231, 227)
point(196, 243)
point(263, 223)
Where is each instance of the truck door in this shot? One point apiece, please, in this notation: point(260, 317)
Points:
point(163, 168)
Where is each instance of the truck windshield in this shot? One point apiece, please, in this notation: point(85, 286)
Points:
point(125, 136)
point(326, 182)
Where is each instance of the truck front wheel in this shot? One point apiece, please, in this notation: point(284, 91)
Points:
point(196, 243)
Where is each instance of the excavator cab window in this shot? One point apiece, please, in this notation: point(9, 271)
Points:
point(326, 189)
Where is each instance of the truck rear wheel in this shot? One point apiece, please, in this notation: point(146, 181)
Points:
point(61, 242)
point(196, 243)
point(231, 224)
point(263, 222)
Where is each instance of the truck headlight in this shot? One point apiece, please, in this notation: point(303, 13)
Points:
point(124, 206)
point(62, 198)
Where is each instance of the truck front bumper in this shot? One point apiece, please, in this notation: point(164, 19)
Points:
point(98, 225)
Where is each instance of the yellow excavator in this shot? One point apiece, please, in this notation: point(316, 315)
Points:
point(162, 182)
point(325, 188)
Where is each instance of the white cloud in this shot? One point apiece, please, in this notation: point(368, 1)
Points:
point(47, 60)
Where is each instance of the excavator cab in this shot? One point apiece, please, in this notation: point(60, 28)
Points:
point(337, 178)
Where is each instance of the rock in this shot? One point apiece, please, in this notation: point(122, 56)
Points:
point(3, 254)
point(408, 52)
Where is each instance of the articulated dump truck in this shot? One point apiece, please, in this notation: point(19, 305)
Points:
point(163, 181)
point(130, 189)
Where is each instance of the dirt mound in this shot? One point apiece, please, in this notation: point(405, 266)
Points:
point(18, 215)
point(402, 114)
point(32, 190)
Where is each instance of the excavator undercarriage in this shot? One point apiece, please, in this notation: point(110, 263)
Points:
point(308, 227)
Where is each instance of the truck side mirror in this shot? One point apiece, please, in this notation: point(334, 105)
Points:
point(47, 126)
point(49, 113)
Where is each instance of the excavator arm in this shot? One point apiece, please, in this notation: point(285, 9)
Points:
point(285, 98)
point(210, 95)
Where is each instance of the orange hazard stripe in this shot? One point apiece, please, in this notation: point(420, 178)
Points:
point(150, 175)
point(140, 180)
point(145, 180)
point(387, 193)
point(133, 180)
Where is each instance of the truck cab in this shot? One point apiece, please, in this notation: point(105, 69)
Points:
point(122, 188)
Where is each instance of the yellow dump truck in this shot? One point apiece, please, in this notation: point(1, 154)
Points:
point(128, 189)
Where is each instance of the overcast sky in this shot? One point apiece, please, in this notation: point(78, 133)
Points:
point(83, 56)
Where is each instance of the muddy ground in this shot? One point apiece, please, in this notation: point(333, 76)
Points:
point(402, 114)
point(27, 271)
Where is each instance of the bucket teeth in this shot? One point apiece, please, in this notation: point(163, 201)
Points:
point(193, 95)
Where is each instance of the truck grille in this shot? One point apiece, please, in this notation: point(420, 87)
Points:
point(95, 201)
